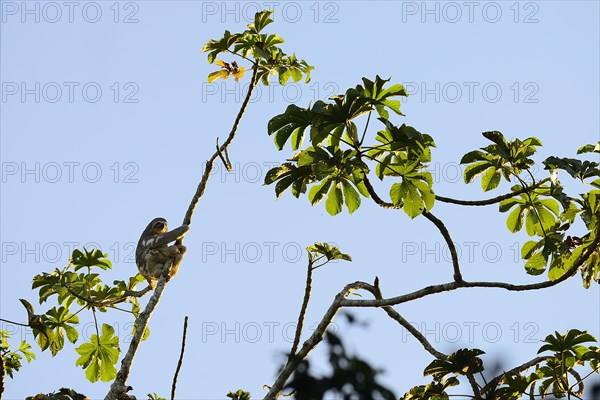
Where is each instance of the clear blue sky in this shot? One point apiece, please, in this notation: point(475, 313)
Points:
point(107, 119)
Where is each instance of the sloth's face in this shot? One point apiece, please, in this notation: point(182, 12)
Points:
point(159, 227)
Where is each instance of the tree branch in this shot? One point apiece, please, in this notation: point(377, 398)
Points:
point(319, 332)
point(187, 220)
point(376, 198)
point(180, 362)
point(302, 314)
point(341, 301)
point(474, 386)
point(376, 291)
point(13, 323)
point(137, 293)
point(118, 389)
point(2, 375)
point(310, 343)
point(494, 382)
point(444, 231)
point(446, 287)
point(493, 200)
point(94, 303)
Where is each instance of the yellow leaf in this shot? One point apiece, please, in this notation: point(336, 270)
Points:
point(220, 63)
point(223, 74)
point(239, 74)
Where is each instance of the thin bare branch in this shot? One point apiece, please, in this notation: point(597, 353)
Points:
point(180, 362)
point(310, 343)
point(118, 387)
point(300, 324)
point(187, 220)
point(319, 332)
point(493, 200)
point(580, 379)
point(446, 287)
point(392, 301)
point(444, 231)
point(13, 322)
point(341, 301)
point(402, 321)
point(225, 159)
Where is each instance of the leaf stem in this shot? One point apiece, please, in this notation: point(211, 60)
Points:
point(96, 325)
point(362, 139)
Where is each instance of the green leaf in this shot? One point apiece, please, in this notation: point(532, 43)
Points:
point(380, 97)
point(546, 217)
point(532, 141)
point(576, 168)
point(72, 333)
point(396, 193)
point(475, 155)
point(529, 248)
point(275, 173)
point(538, 221)
point(463, 361)
point(507, 204)
point(426, 193)
point(551, 205)
point(215, 47)
point(316, 193)
point(413, 203)
point(330, 252)
point(334, 201)
point(99, 356)
point(589, 148)
point(60, 321)
point(496, 137)
point(294, 120)
point(29, 308)
point(351, 197)
point(490, 179)
point(25, 349)
point(556, 271)
point(536, 265)
point(283, 184)
point(261, 19)
point(239, 395)
point(89, 259)
point(514, 223)
point(474, 170)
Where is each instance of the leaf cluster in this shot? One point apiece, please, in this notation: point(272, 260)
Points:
point(336, 162)
point(261, 49)
point(78, 284)
point(552, 375)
